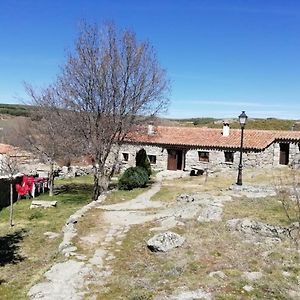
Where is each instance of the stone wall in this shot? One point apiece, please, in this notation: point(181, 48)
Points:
point(160, 153)
point(294, 153)
point(5, 191)
point(251, 159)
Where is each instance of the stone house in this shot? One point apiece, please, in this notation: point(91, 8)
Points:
point(19, 156)
point(188, 148)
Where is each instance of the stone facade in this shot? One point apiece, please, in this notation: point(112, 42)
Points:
point(129, 161)
point(217, 159)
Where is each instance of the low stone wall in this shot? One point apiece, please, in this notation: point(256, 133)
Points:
point(5, 191)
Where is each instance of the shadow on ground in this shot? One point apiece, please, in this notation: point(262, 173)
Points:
point(9, 248)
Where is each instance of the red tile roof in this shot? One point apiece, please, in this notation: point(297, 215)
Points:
point(5, 149)
point(212, 138)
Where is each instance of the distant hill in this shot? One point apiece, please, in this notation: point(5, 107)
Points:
point(14, 110)
point(260, 124)
point(9, 111)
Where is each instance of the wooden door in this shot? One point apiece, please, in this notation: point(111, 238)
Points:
point(179, 159)
point(284, 154)
point(172, 159)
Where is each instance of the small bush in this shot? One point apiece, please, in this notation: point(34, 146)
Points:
point(133, 177)
point(142, 160)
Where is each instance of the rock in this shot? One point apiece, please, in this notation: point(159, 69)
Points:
point(43, 204)
point(192, 295)
point(211, 213)
point(164, 242)
point(257, 191)
point(51, 235)
point(252, 276)
point(248, 288)
point(185, 198)
point(255, 228)
point(68, 250)
point(286, 274)
point(62, 281)
point(218, 274)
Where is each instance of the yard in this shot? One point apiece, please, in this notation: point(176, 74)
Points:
point(25, 252)
point(128, 269)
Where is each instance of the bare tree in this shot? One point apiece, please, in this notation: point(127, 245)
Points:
point(42, 134)
point(288, 193)
point(108, 83)
point(10, 167)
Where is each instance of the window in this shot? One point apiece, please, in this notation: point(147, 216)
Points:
point(125, 156)
point(228, 157)
point(152, 159)
point(203, 156)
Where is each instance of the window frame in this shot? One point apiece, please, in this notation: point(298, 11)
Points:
point(231, 160)
point(150, 160)
point(203, 156)
point(125, 156)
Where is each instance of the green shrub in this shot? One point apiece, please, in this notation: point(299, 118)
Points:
point(133, 177)
point(142, 160)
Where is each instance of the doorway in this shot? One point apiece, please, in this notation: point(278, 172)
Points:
point(175, 159)
point(284, 153)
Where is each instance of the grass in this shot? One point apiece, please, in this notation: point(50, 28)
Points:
point(23, 260)
point(267, 210)
point(141, 274)
point(209, 247)
point(118, 196)
point(191, 184)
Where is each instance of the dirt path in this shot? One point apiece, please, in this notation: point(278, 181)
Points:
point(70, 279)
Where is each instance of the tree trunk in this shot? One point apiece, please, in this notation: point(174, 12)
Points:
point(96, 189)
point(11, 205)
point(101, 182)
point(51, 179)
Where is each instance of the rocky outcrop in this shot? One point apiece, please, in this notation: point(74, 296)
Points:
point(251, 191)
point(256, 229)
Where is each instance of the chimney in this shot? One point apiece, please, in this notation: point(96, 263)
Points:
point(226, 128)
point(151, 130)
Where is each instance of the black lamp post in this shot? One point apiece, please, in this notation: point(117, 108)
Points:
point(242, 119)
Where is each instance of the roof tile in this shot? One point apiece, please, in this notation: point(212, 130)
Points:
point(208, 137)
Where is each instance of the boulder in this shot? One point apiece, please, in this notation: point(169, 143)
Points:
point(42, 204)
point(255, 228)
point(165, 241)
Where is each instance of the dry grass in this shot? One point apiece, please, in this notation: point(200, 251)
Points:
point(209, 247)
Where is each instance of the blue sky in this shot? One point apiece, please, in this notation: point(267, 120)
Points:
point(222, 57)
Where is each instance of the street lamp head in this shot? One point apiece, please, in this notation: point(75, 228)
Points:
point(243, 118)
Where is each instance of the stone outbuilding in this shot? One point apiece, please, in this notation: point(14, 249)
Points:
point(188, 148)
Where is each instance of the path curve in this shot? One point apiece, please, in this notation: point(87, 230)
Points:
point(69, 280)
